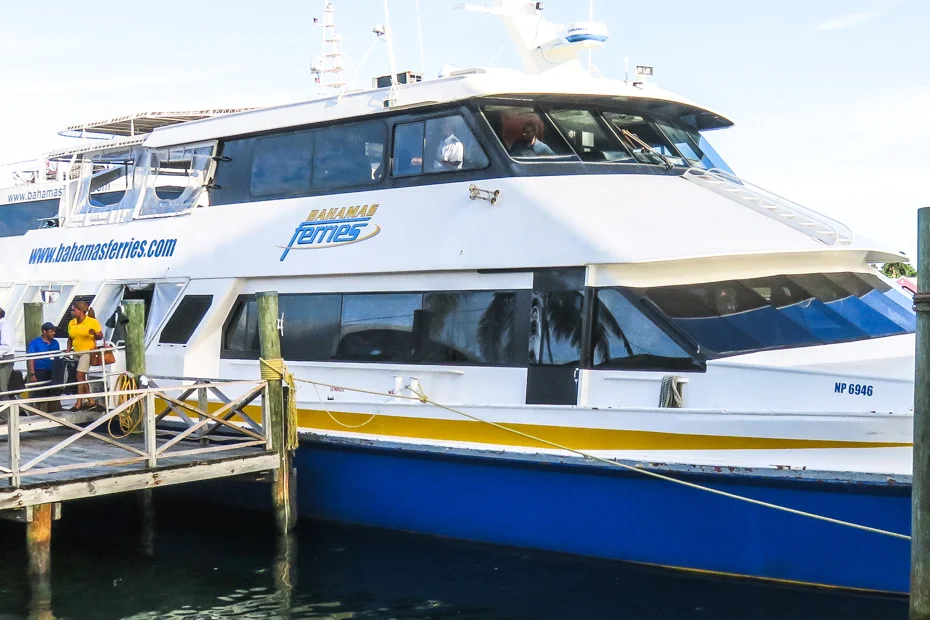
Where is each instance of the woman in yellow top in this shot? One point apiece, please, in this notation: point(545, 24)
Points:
point(83, 333)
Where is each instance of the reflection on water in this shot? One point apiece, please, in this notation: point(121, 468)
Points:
point(220, 563)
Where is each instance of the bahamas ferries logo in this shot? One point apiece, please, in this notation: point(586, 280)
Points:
point(330, 228)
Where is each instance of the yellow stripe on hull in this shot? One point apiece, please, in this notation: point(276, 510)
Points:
point(578, 438)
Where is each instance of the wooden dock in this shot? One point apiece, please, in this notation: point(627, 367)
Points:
point(55, 457)
point(146, 436)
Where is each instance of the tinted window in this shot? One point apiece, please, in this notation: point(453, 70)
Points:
point(311, 326)
point(16, 219)
point(378, 327)
point(623, 337)
point(408, 149)
point(731, 317)
point(281, 164)
point(643, 138)
point(590, 139)
point(525, 133)
point(471, 327)
point(436, 145)
point(241, 337)
point(347, 155)
point(556, 320)
point(188, 315)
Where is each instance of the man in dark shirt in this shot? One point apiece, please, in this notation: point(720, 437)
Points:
point(41, 369)
point(529, 145)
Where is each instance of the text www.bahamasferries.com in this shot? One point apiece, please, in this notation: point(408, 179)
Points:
point(112, 250)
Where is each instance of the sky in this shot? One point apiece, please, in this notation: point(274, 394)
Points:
point(831, 99)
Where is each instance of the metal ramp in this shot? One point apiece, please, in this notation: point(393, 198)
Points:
point(819, 227)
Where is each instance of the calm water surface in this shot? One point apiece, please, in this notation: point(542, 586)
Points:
point(212, 562)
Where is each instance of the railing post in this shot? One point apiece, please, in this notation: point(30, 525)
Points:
point(202, 404)
point(920, 482)
point(12, 428)
point(284, 487)
point(148, 426)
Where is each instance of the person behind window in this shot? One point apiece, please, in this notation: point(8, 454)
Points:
point(529, 145)
point(40, 370)
point(6, 352)
point(450, 155)
point(83, 333)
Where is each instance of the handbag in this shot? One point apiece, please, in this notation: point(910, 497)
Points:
point(108, 356)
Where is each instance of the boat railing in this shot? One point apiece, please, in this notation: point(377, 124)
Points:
point(820, 227)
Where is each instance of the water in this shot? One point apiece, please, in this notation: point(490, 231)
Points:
point(212, 562)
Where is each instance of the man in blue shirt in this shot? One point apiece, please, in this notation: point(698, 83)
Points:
point(529, 145)
point(41, 369)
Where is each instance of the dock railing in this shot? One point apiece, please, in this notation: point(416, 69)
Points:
point(156, 424)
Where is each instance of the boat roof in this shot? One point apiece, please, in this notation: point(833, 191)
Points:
point(143, 122)
point(458, 86)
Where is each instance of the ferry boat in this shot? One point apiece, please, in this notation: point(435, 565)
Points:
point(562, 261)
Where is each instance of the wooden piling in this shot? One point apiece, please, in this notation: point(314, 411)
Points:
point(34, 318)
point(39, 550)
point(39, 528)
point(134, 311)
point(920, 485)
point(284, 487)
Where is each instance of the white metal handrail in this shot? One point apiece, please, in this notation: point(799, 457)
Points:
point(818, 226)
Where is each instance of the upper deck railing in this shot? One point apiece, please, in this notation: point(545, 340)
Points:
point(820, 227)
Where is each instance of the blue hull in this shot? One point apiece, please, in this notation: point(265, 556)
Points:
point(606, 512)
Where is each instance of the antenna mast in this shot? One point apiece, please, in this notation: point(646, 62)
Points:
point(328, 68)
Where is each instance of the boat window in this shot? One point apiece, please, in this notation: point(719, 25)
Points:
point(175, 178)
point(587, 135)
point(17, 219)
point(692, 145)
point(556, 320)
point(378, 327)
point(185, 319)
point(348, 155)
point(623, 337)
point(109, 182)
point(733, 317)
point(281, 164)
point(469, 327)
point(162, 299)
point(311, 326)
point(643, 138)
point(436, 145)
point(240, 338)
point(525, 133)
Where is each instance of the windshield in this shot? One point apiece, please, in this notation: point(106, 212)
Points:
point(740, 316)
point(692, 145)
point(564, 133)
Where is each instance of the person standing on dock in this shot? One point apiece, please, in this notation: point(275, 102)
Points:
point(40, 370)
point(83, 333)
point(6, 352)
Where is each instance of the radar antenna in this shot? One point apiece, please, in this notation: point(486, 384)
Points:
point(327, 69)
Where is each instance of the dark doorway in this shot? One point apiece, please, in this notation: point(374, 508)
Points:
point(556, 320)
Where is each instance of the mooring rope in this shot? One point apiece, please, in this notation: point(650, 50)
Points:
point(276, 370)
point(421, 396)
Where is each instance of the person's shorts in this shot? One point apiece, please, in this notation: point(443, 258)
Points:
point(83, 364)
